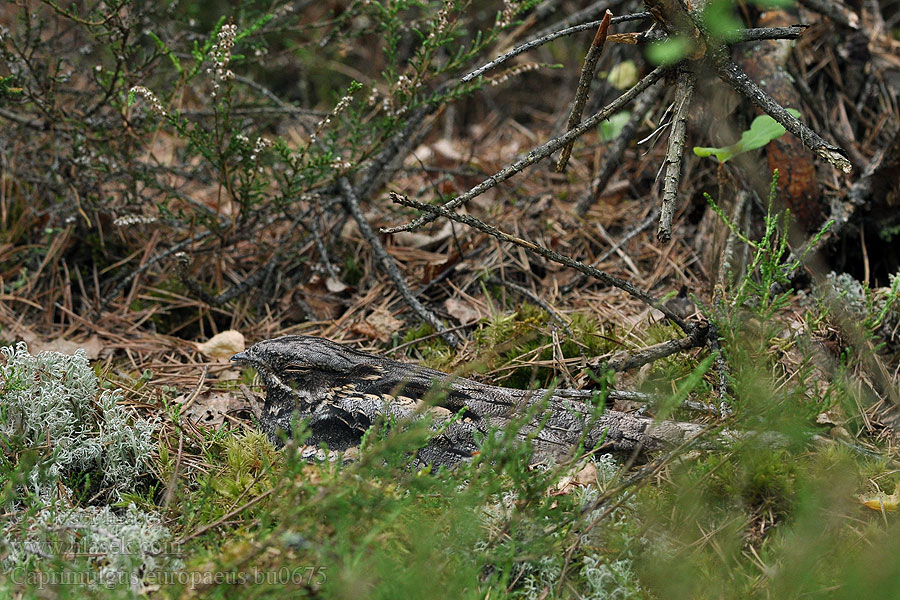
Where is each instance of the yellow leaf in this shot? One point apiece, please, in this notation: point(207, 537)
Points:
point(223, 345)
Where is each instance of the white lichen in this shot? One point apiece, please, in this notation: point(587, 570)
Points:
point(52, 402)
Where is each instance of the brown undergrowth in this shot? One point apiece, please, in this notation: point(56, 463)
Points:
point(137, 235)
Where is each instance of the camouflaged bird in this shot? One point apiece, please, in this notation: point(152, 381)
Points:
point(341, 392)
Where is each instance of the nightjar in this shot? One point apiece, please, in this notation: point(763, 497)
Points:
point(341, 392)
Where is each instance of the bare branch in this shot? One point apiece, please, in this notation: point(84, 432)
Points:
point(540, 41)
point(388, 265)
point(538, 153)
point(625, 360)
point(736, 78)
point(584, 86)
point(614, 153)
point(547, 253)
point(684, 92)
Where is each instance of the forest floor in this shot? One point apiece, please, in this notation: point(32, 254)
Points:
point(138, 233)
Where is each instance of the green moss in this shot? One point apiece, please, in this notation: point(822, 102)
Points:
point(434, 351)
point(524, 337)
point(353, 272)
point(248, 459)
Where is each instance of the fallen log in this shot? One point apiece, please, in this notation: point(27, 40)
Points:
point(341, 392)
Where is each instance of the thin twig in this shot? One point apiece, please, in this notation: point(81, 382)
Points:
point(839, 216)
point(628, 235)
point(725, 268)
point(613, 155)
point(389, 266)
point(733, 75)
point(626, 361)
point(313, 228)
point(545, 252)
point(834, 10)
point(152, 261)
point(684, 92)
point(584, 86)
point(225, 517)
point(755, 34)
point(534, 298)
point(374, 174)
point(537, 153)
point(540, 41)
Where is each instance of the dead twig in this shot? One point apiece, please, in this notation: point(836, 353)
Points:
point(584, 86)
point(625, 361)
point(546, 38)
point(718, 302)
point(537, 153)
point(150, 262)
point(834, 10)
point(389, 266)
point(732, 74)
point(684, 92)
point(755, 34)
point(615, 151)
point(441, 211)
point(628, 235)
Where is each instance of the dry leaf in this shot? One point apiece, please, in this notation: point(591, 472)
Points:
point(445, 148)
point(335, 285)
point(385, 323)
point(380, 325)
point(223, 345)
point(91, 346)
point(364, 329)
point(209, 408)
point(881, 501)
point(586, 476)
point(461, 311)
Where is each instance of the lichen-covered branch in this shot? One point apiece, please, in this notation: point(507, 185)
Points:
point(684, 92)
point(538, 153)
point(389, 266)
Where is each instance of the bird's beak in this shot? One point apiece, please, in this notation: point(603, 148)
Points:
point(241, 357)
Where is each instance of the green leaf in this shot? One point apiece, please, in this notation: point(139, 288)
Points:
point(164, 48)
point(623, 75)
point(763, 130)
point(721, 21)
point(668, 52)
point(612, 127)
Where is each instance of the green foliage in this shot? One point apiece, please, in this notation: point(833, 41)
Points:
point(68, 452)
point(720, 20)
point(767, 515)
point(8, 88)
point(513, 344)
point(612, 127)
point(376, 525)
point(762, 130)
point(669, 51)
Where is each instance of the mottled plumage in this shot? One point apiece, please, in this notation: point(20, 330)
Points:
point(341, 392)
